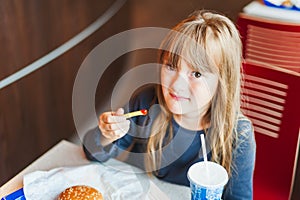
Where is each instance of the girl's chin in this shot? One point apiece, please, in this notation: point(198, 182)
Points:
point(175, 110)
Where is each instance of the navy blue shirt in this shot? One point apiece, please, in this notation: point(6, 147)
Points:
point(178, 154)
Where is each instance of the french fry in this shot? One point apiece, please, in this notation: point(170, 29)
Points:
point(136, 113)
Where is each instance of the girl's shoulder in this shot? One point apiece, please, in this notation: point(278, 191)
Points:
point(148, 91)
point(244, 128)
point(245, 138)
point(144, 96)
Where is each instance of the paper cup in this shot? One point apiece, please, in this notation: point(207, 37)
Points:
point(207, 182)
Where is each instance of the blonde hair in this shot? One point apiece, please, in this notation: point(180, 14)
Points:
point(219, 51)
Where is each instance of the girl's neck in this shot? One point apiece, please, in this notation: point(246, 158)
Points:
point(190, 123)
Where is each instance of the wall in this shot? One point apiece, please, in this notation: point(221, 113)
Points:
point(36, 111)
point(167, 13)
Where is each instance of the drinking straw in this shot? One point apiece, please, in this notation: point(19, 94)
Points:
point(204, 154)
point(203, 147)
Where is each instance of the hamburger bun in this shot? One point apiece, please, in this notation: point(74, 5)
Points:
point(80, 192)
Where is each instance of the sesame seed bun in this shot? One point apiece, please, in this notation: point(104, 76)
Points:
point(80, 192)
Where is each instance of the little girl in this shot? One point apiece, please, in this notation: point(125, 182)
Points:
point(199, 93)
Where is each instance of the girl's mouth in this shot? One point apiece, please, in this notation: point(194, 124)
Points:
point(178, 98)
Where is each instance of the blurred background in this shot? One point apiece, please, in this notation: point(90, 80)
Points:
point(36, 111)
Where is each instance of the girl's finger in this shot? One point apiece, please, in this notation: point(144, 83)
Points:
point(112, 118)
point(114, 135)
point(120, 111)
point(114, 126)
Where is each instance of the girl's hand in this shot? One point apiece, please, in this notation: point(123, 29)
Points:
point(113, 125)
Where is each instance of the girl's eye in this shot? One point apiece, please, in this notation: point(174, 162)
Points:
point(196, 74)
point(170, 67)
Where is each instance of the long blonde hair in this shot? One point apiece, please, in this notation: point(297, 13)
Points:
point(220, 53)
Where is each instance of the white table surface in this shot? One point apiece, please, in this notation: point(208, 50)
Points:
point(65, 154)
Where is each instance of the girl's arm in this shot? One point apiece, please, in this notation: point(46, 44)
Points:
point(240, 185)
point(99, 143)
point(113, 126)
point(115, 134)
point(95, 151)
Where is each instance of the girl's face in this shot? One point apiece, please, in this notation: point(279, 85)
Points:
point(187, 92)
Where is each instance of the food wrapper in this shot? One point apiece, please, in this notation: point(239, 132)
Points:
point(113, 183)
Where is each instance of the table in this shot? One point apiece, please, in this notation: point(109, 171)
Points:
point(65, 154)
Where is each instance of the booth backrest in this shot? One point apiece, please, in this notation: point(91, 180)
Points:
point(271, 99)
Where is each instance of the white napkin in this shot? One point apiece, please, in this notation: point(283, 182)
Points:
point(112, 183)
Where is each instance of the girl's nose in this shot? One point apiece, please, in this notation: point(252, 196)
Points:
point(180, 82)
